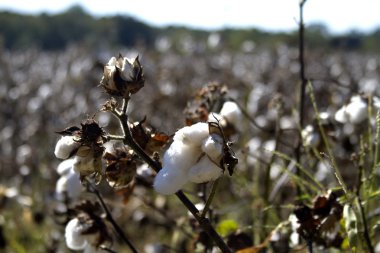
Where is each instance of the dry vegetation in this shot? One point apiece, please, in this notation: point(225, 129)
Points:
point(44, 92)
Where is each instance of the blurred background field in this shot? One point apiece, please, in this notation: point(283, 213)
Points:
point(50, 68)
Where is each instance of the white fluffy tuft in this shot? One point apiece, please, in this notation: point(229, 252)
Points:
point(74, 239)
point(65, 166)
point(192, 135)
point(69, 184)
point(355, 112)
point(231, 112)
point(176, 163)
point(65, 146)
point(213, 147)
point(204, 170)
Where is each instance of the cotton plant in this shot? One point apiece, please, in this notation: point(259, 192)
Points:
point(87, 230)
point(193, 156)
point(199, 153)
point(196, 152)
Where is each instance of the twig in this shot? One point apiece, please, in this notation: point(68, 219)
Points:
point(210, 198)
point(366, 232)
point(109, 217)
point(329, 155)
point(301, 60)
point(246, 114)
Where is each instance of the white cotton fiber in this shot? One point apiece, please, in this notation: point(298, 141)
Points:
point(204, 170)
point(341, 115)
point(169, 180)
point(176, 162)
point(213, 147)
point(65, 146)
point(68, 184)
point(231, 112)
point(192, 135)
point(73, 234)
point(65, 166)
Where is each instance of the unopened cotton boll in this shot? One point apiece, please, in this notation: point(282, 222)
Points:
point(231, 112)
point(65, 146)
point(204, 171)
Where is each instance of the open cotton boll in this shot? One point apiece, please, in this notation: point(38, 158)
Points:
point(341, 115)
point(204, 170)
point(181, 156)
point(231, 112)
point(357, 110)
point(92, 249)
point(176, 162)
point(73, 234)
point(68, 184)
point(192, 135)
point(376, 103)
point(310, 137)
point(65, 146)
point(83, 164)
point(65, 166)
point(170, 180)
point(213, 147)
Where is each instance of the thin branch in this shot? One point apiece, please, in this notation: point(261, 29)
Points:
point(210, 197)
point(109, 217)
point(301, 60)
point(366, 230)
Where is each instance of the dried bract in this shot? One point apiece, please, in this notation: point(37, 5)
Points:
point(87, 230)
point(321, 223)
point(86, 145)
point(121, 167)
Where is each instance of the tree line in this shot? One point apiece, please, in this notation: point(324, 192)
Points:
point(76, 26)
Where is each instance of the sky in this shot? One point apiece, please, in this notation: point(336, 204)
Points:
point(340, 16)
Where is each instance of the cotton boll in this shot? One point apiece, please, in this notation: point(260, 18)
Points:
point(74, 238)
point(310, 137)
point(376, 103)
point(357, 110)
point(204, 170)
point(341, 115)
point(181, 156)
point(84, 165)
point(176, 162)
point(231, 112)
point(217, 118)
point(65, 166)
point(68, 184)
point(192, 135)
point(65, 146)
point(92, 249)
point(213, 147)
point(170, 180)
